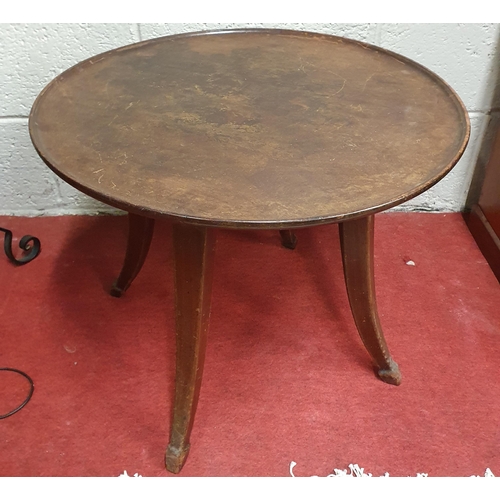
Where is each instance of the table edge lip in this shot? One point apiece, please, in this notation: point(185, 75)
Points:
point(247, 224)
point(258, 224)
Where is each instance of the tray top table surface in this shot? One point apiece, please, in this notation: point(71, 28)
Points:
point(250, 128)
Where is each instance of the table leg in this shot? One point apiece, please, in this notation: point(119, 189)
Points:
point(288, 239)
point(193, 256)
point(140, 233)
point(356, 239)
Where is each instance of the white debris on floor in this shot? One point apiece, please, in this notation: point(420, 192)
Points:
point(126, 475)
point(356, 471)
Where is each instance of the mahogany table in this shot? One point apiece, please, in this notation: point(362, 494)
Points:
point(248, 129)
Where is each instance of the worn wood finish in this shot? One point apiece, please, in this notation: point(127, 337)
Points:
point(140, 233)
point(255, 128)
point(356, 239)
point(288, 239)
point(193, 256)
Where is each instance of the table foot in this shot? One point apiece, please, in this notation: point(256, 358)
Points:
point(288, 239)
point(356, 239)
point(390, 375)
point(175, 458)
point(140, 233)
point(115, 290)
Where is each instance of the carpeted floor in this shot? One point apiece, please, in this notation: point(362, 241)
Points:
point(286, 376)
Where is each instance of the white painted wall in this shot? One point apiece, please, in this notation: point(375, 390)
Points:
point(467, 56)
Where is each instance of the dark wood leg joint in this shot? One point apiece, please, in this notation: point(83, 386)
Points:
point(288, 239)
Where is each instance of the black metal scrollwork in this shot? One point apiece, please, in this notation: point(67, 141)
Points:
point(27, 243)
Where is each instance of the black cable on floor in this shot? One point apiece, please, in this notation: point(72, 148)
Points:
point(24, 403)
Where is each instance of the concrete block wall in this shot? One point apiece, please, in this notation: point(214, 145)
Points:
point(467, 56)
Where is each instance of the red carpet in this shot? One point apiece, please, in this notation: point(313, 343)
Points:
point(286, 375)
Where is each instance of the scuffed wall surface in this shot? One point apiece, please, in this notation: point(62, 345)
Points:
point(465, 55)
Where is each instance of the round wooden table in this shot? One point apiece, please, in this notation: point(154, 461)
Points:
point(248, 129)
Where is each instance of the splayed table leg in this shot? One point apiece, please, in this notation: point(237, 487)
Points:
point(140, 233)
point(194, 249)
point(356, 239)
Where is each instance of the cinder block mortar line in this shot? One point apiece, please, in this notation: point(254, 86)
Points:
point(14, 118)
point(378, 34)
